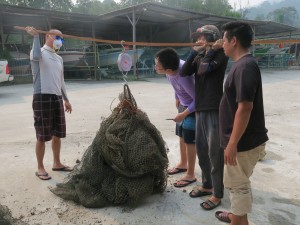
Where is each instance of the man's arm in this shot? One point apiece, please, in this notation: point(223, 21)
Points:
point(240, 124)
point(68, 106)
point(189, 67)
point(189, 86)
point(35, 53)
point(213, 60)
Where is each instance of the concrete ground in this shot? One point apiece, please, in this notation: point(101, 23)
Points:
point(275, 182)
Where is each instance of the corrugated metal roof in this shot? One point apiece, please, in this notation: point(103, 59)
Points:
point(153, 19)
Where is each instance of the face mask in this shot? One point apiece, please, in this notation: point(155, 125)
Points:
point(57, 43)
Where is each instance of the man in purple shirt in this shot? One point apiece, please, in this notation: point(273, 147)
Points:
point(167, 62)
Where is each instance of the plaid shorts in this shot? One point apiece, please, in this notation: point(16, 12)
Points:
point(49, 116)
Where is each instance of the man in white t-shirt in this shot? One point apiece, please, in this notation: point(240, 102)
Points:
point(48, 96)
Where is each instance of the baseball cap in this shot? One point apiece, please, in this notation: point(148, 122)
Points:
point(207, 29)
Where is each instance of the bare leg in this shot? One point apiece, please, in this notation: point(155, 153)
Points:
point(183, 154)
point(191, 160)
point(238, 220)
point(40, 152)
point(56, 144)
point(183, 158)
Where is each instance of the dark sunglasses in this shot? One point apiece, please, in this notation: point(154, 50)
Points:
point(60, 38)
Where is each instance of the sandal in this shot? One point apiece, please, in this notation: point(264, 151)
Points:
point(223, 216)
point(199, 193)
point(175, 170)
point(209, 205)
point(43, 176)
point(64, 169)
point(185, 183)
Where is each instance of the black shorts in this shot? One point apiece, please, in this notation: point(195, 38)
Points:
point(49, 116)
point(187, 135)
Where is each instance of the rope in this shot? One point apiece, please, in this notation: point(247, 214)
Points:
point(273, 41)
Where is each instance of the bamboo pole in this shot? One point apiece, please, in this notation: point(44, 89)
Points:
point(266, 41)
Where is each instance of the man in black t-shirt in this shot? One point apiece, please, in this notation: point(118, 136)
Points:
point(242, 121)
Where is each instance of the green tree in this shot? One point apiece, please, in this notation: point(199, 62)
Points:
point(260, 17)
point(87, 6)
point(59, 5)
point(127, 3)
point(95, 7)
point(195, 5)
point(286, 15)
point(109, 5)
point(216, 7)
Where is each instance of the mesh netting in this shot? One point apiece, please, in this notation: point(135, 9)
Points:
point(6, 217)
point(126, 161)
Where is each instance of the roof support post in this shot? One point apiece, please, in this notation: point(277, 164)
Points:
point(134, 40)
point(2, 32)
point(190, 30)
point(253, 47)
point(296, 50)
point(133, 23)
point(96, 56)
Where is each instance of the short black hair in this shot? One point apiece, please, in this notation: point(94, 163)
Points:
point(241, 30)
point(168, 58)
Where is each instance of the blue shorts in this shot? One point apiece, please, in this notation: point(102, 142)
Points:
point(186, 128)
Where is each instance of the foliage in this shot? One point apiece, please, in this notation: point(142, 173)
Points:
point(217, 7)
point(284, 15)
point(96, 7)
point(59, 5)
point(4, 54)
point(284, 11)
point(127, 3)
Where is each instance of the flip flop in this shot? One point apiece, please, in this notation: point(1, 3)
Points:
point(211, 205)
point(199, 193)
point(43, 176)
point(223, 216)
point(176, 170)
point(187, 182)
point(64, 169)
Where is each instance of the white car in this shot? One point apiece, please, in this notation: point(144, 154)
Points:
point(4, 71)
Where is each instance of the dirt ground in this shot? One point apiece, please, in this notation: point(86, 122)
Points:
point(275, 182)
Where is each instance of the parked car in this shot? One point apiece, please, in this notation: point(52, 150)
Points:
point(4, 71)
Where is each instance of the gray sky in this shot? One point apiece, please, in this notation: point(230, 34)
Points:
point(242, 3)
point(245, 3)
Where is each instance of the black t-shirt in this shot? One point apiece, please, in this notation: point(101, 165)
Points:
point(243, 84)
point(209, 70)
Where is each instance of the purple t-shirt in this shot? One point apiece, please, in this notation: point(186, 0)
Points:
point(184, 88)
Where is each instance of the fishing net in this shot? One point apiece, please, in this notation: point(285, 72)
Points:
point(6, 217)
point(126, 161)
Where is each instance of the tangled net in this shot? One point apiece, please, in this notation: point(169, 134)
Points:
point(126, 161)
point(6, 217)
